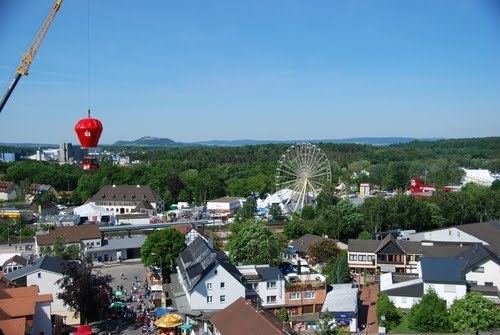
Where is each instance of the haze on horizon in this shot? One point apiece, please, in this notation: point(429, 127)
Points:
point(264, 69)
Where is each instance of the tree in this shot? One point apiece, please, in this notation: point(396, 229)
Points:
point(327, 198)
point(341, 221)
point(248, 210)
point(62, 250)
point(276, 213)
point(283, 315)
point(387, 313)
point(342, 272)
point(254, 243)
point(325, 325)
point(365, 235)
point(323, 251)
point(88, 294)
point(308, 213)
point(474, 312)
point(429, 314)
point(294, 229)
point(162, 247)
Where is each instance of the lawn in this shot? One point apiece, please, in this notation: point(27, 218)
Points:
point(402, 327)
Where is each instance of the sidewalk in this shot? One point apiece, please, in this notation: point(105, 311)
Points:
point(368, 312)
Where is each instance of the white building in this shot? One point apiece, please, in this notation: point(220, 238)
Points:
point(487, 233)
point(341, 303)
point(8, 191)
point(122, 199)
point(85, 237)
point(478, 176)
point(132, 219)
point(116, 248)
point(264, 282)
point(224, 207)
point(45, 273)
point(208, 279)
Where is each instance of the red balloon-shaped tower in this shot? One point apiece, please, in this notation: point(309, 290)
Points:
point(88, 131)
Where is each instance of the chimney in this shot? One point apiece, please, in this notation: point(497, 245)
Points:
point(114, 185)
point(138, 186)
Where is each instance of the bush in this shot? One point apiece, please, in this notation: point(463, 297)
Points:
point(474, 312)
point(430, 314)
point(386, 308)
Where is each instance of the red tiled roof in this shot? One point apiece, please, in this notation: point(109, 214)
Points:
point(6, 186)
point(18, 292)
point(16, 307)
point(241, 317)
point(183, 228)
point(70, 234)
point(13, 326)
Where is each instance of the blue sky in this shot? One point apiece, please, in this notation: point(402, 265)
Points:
point(260, 69)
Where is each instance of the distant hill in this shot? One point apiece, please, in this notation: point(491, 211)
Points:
point(149, 141)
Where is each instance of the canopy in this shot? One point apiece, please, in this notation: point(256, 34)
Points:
point(186, 326)
point(117, 304)
point(91, 211)
point(118, 293)
point(160, 311)
point(84, 330)
point(169, 321)
point(156, 288)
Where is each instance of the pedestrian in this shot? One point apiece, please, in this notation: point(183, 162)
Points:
point(122, 276)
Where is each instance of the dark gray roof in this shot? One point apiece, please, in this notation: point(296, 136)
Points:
point(415, 290)
point(143, 205)
point(117, 243)
point(442, 270)
point(134, 193)
point(48, 263)
point(227, 199)
point(372, 246)
point(268, 273)
point(303, 243)
point(485, 231)
point(198, 259)
point(445, 250)
point(476, 255)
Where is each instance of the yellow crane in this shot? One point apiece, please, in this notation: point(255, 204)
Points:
point(22, 69)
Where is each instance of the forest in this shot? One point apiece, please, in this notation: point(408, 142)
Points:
point(198, 174)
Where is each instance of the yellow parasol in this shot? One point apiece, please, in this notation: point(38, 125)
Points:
point(169, 321)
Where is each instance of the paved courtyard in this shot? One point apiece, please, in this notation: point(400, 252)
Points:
point(367, 312)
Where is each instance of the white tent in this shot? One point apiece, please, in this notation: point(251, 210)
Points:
point(91, 212)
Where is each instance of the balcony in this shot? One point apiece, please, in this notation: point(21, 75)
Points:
point(390, 259)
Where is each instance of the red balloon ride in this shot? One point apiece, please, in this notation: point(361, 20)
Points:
point(88, 131)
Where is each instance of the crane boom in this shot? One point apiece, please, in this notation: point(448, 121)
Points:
point(27, 59)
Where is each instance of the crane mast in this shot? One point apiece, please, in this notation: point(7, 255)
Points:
point(27, 59)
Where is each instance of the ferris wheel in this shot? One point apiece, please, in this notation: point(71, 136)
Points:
point(302, 171)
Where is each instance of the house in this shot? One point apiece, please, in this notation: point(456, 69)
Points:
point(8, 191)
point(145, 207)
point(487, 233)
point(304, 294)
point(341, 303)
point(132, 219)
point(14, 263)
point(264, 284)
point(43, 209)
point(122, 199)
point(209, 281)
point(244, 317)
point(224, 207)
point(23, 310)
point(117, 248)
point(388, 255)
point(62, 220)
point(92, 213)
point(35, 189)
point(299, 248)
point(86, 237)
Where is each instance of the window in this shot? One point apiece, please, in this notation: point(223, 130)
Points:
point(222, 285)
point(309, 295)
point(88, 244)
point(271, 299)
point(369, 258)
point(362, 258)
point(294, 296)
point(222, 298)
point(39, 275)
point(209, 286)
point(450, 288)
point(353, 257)
point(449, 232)
point(209, 299)
point(98, 243)
point(479, 269)
point(271, 285)
point(91, 244)
point(488, 283)
point(472, 282)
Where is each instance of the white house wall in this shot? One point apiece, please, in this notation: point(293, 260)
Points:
point(47, 284)
point(404, 302)
point(448, 292)
point(491, 274)
point(278, 291)
point(233, 290)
